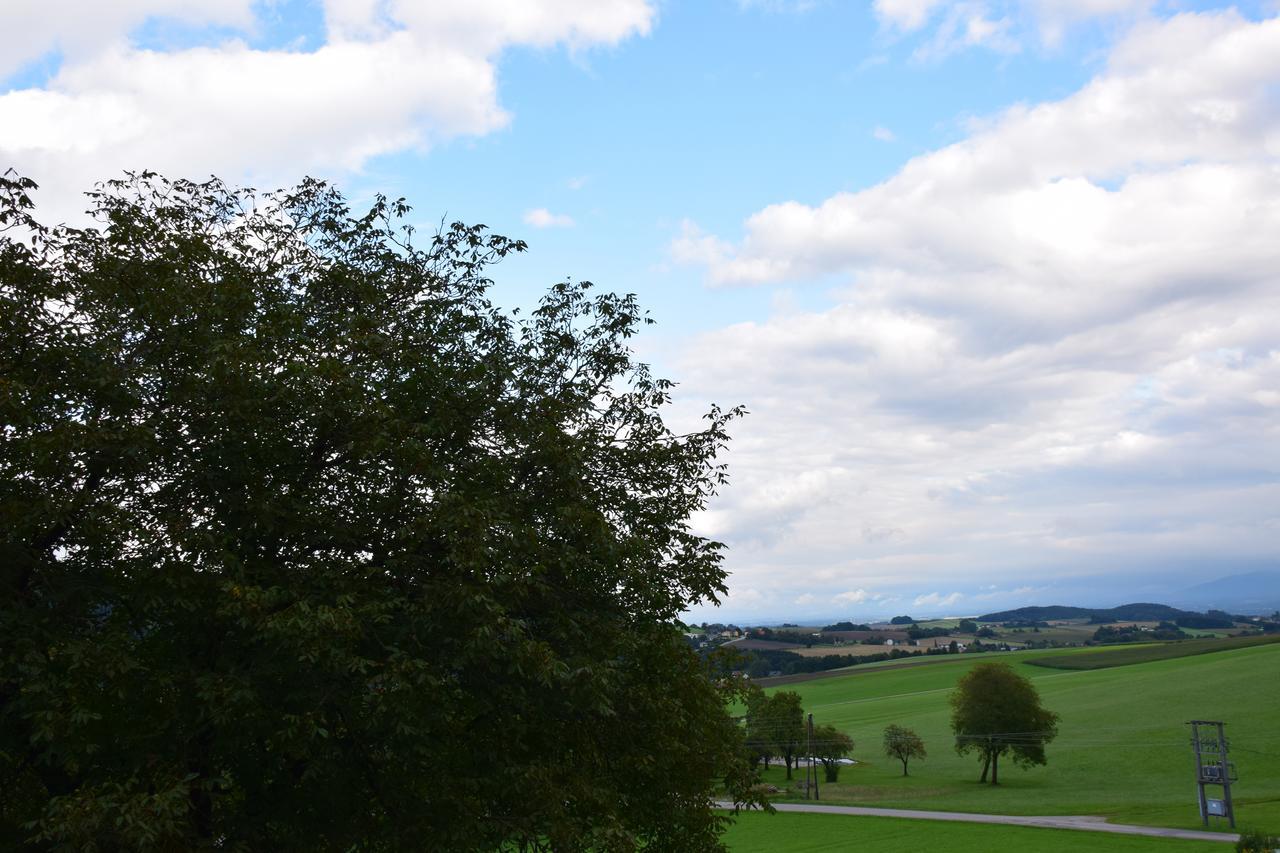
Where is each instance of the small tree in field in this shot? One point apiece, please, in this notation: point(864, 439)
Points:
point(995, 711)
point(903, 744)
point(829, 746)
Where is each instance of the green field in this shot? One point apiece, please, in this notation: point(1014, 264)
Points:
point(820, 833)
point(1076, 632)
point(1147, 652)
point(1122, 751)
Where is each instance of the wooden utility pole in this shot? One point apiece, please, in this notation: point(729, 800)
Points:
point(812, 766)
point(808, 733)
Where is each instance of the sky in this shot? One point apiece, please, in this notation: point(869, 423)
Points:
point(998, 280)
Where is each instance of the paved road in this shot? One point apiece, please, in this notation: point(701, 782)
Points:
point(1085, 822)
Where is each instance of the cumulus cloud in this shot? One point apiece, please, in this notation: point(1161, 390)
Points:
point(78, 29)
point(855, 596)
point(883, 134)
point(937, 599)
point(388, 76)
point(540, 217)
point(1052, 353)
point(948, 26)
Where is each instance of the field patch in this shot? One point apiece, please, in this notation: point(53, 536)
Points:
point(1147, 652)
point(1122, 751)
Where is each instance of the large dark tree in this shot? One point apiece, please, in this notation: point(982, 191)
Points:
point(774, 726)
point(308, 546)
point(995, 711)
point(830, 745)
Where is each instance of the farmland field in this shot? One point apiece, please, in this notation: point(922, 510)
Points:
point(1122, 751)
point(1125, 655)
point(1057, 632)
point(820, 833)
point(855, 649)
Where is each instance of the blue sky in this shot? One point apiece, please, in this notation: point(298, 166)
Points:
point(996, 278)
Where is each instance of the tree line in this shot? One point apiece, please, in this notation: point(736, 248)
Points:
point(995, 713)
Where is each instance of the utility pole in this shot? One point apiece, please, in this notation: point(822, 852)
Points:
point(809, 749)
point(812, 766)
point(1212, 768)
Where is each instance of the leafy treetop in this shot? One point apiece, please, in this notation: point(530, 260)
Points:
point(306, 544)
point(995, 711)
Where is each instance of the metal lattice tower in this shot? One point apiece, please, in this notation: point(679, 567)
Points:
point(1212, 768)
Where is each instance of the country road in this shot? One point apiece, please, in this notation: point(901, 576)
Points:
point(1082, 822)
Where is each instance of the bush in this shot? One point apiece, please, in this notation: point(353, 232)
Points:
point(1256, 841)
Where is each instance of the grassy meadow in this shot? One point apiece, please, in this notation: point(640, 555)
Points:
point(1122, 749)
point(1128, 654)
point(821, 833)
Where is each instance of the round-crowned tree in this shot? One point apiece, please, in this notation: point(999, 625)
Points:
point(903, 744)
point(307, 545)
point(994, 712)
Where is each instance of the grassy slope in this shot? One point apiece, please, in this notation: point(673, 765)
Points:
point(1125, 655)
point(1122, 750)
point(819, 833)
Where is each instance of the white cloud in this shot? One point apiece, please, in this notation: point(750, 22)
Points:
point(997, 24)
point(745, 599)
point(905, 14)
point(1054, 17)
point(540, 217)
point(1052, 352)
point(855, 596)
point(966, 25)
point(1112, 182)
point(390, 76)
point(779, 6)
point(883, 134)
point(936, 599)
point(77, 29)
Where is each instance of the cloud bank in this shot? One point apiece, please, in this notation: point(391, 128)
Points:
point(384, 77)
point(1052, 351)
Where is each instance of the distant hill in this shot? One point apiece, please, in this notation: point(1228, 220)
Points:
point(1140, 612)
point(1252, 592)
point(1038, 614)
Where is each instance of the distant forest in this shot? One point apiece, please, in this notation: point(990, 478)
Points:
point(1141, 612)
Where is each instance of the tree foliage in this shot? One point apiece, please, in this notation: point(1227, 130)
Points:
point(995, 711)
point(775, 726)
point(903, 744)
point(829, 746)
point(1254, 840)
point(759, 732)
point(307, 545)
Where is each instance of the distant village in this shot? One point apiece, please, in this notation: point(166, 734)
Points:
point(779, 651)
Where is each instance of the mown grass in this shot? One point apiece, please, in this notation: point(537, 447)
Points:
point(1122, 751)
point(1147, 652)
point(821, 833)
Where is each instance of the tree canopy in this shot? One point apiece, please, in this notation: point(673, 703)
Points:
point(829, 746)
point(775, 726)
point(995, 711)
point(903, 744)
point(308, 545)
